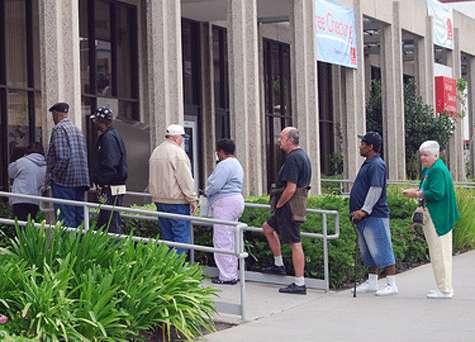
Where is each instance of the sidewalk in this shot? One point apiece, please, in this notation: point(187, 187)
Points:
point(408, 317)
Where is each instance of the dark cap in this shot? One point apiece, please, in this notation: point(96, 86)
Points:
point(61, 107)
point(102, 113)
point(372, 138)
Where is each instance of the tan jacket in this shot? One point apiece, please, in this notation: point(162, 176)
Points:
point(170, 179)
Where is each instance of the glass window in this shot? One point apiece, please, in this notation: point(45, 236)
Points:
point(20, 97)
point(191, 62)
point(325, 107)
point(15, 22)
point(126, 45)
point(104, 68)
point(18, 123)
point(277, 102)
point(221, 86)
point(102, 23)
point(109, 56)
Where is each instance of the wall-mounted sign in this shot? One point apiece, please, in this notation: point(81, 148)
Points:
point(442, 24)
point(335, 34)
point(446, 95)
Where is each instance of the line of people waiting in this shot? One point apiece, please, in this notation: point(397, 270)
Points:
point(173, 190)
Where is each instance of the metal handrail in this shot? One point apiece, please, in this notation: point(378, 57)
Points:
point(469, 185)
point(324, 236)
point(237, 226)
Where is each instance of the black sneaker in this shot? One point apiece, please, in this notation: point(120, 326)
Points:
point(280, 270)
point(294, 289)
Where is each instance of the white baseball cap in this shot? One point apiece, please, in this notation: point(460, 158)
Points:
point(175, 130)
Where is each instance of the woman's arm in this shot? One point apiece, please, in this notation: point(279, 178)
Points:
point(435, 186)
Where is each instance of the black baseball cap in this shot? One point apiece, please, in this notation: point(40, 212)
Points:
point(102, 113)
point(372, 138)
point(61, 107)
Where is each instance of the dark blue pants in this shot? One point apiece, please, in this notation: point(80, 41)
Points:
point(175, 230)
point(71, 216)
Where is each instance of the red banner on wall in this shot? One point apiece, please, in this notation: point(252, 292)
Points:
point(446, 95)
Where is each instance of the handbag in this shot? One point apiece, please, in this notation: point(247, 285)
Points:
point(419, 217)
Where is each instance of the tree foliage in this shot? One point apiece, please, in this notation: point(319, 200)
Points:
point(420, 122)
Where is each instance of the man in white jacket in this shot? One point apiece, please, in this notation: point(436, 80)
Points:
point(171, 185)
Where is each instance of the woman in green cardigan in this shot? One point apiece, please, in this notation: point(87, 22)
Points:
point(437, 190)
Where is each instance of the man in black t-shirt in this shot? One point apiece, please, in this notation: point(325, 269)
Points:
point(295, 173)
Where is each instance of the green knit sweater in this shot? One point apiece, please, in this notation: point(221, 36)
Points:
point(439, 197)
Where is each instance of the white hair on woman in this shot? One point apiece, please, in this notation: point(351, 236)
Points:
point(430, 146)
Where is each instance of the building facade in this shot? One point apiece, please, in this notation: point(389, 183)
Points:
point(238, 69)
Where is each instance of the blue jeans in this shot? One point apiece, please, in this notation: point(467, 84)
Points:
point(175, 230)
point(374, 240)
point(71, 216)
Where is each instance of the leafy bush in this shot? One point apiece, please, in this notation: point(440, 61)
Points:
point(69, 286)
point(464, 231)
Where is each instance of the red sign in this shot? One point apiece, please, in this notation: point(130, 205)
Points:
point(446, 95)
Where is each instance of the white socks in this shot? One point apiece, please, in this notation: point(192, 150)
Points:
point(299, 281)
point(372, 278)
point(391, 280)
point(278, 261)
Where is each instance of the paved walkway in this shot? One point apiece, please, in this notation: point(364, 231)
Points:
point(407, 317)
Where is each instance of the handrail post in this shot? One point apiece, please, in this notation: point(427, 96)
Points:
point(326, 276)
point(86, 218)
point(239, 246)
point(192, 251)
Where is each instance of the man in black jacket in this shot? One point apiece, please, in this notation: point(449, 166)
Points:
point(110, 168)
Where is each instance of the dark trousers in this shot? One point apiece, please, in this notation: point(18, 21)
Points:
point(72, 216)
point(22, 210)
point(108, 218)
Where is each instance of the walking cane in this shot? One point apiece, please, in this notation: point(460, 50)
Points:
point(353, 223)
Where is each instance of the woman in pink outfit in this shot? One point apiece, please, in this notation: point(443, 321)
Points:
point(225, 198)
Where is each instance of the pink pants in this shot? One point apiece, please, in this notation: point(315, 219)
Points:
point(230, 209)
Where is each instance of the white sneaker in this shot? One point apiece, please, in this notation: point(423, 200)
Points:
point(388, 290)
point(436, 294)
point(367, 287)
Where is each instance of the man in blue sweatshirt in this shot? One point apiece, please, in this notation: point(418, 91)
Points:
point(110, 168)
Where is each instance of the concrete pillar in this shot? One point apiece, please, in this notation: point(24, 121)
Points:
point(60, 59)
point(393, 98)
point(304, 83)
point(208, 123)
point(164, 66)
point(246, 126)
point(471, 111)
point(354, 119)
point(425, 63)
point(455, 148)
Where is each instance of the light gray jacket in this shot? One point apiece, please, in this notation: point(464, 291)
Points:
point(28, 174)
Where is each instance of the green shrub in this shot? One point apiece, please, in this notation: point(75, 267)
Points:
point(464, 231)
point(68, 286)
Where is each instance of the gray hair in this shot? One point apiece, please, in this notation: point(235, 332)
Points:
point(430, 146)
point(293, 134)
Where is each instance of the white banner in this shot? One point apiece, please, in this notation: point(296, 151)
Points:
point(442, 24)
point(335, 36)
